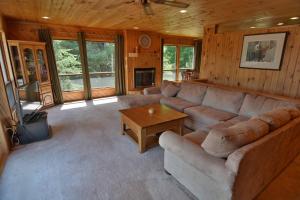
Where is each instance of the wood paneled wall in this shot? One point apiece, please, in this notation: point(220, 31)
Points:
point(221, 59)
point(5, 115)
point(178, 40)
point(146, 57)
point(20, 30)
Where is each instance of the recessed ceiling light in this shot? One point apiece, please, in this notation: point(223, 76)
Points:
point(46, 17)
point(135, 27)
point(252, 27)
point(294, 18)
point(280, 23)
point(183, 11)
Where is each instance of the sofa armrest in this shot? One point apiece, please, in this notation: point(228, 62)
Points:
point(152, 90)
point(195, 156)
point(258, 163)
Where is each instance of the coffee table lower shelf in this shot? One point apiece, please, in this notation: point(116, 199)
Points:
point(151, 141)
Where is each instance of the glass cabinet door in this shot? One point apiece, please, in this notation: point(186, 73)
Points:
point(42, 65)
point(30, 65)
point(19, 73)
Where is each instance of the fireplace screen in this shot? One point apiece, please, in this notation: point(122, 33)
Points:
point(144, 77)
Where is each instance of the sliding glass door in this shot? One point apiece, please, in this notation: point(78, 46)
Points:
point(100, 70)
point(101, 64)
point(68, 63)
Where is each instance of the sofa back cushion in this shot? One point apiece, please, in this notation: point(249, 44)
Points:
point(276, 118)
point(224, 141)
point(254, 105)
point(222, 99)
point(192, 92)
point(170, 90)
point(165, 83)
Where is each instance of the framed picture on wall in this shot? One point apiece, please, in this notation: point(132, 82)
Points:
point(263, 51)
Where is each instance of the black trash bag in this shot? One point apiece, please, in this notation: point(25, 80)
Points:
point(34, 128)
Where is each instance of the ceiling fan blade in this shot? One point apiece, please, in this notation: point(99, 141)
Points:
point(173, 3)
point(116, 5)
point(147, 8)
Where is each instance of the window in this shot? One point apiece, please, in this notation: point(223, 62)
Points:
point(171, 67)
point(101, 63)
point(169, 63)
point(186, 60)
point(68, 63)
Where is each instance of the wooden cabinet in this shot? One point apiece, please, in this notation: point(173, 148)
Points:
point(30, 65)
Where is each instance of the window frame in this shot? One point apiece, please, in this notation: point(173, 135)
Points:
point(178, 46)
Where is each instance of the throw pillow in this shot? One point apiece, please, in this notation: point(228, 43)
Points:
point(294, 112)
point(165, 83)
point(275, 118)
point(192, 92)
point(170, 90)
point(224, 141)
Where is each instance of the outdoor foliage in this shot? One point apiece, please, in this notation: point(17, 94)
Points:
point(169, 59)
point(186, 57)
point(67, 57)
point(100, 56)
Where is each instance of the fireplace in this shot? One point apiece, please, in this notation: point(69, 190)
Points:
point(144, 77)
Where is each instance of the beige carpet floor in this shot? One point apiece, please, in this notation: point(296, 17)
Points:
point(88, 159)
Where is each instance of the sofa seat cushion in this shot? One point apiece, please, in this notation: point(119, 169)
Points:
point(129, 101)
point(195, 156)
point(276, 118)
point(224, 141)
point(228, 123)
point(192, 92)
point(255, 105)
point(222, 99)
point(196, 137)
point(176, 103)
point(207, 115)
point(194, 125)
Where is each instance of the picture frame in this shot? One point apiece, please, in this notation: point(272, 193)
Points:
point(263, 51)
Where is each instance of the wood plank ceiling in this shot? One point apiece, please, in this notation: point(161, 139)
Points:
point(167, 20)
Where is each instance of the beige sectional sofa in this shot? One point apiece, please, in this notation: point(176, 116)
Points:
point(240, 141)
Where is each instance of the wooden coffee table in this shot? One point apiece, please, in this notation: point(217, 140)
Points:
point(144, 127)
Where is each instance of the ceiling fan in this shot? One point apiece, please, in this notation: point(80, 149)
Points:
point(146, 4)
